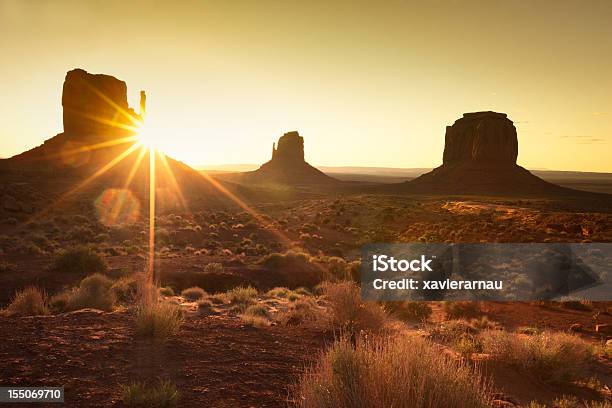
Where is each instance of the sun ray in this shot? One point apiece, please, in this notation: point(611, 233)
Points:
point(246, 208)
point(84, 183)
point(135, 167)
point(172, 177)
point(152, 187)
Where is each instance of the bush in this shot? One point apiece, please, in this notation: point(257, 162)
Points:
point(294, 269)
point(79, 261)
point(409, 310)
point(278, 292)
point(58, 303)
point(254, 321)
point(159, 320)
point(242, 294)
point(304, 310)
point(456, 310)
point(256, 310)
point(125, 289)
point(214, 267)
point(349, 312)
point(193, 293)
point(30, 301)
point(551, 356)
point(390, 372)
point(166, 291)
point(93, 292)
point(164, 395)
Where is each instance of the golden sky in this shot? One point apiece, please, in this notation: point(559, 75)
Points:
point(367, 83)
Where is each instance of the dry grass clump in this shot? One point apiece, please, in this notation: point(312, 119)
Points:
point(166, 291)
point(254, 321)
point(162, 395)
point(403, 372)
point(278, 292)
point(30, 301)
point(304, 310)
point(193, 293)
point(93, 292)
point(464, 309)
point(551, 356)
point(409, 310)
point(349, 312)
point(242, 294)
point(256, 316)
point(125, 289)
point(158, 320)
point(79, 261)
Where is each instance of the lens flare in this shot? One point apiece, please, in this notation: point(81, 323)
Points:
point(117, 207)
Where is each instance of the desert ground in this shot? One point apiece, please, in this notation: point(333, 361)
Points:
point(263, 294)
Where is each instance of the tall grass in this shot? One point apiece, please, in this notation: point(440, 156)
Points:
point(163, 395)
point(158, 320)
point(30, 301)
point(551, 356)
point(349, 312)
point(93, 292)
point(402, 372)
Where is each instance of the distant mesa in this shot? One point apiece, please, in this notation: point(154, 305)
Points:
point(480, 152)
point(287, 165)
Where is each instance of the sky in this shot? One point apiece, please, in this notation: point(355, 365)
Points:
point(367, 83)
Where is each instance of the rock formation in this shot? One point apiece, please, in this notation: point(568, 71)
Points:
point(480, 153)
point(481, 137)
point(96, 104)
point(287, 165)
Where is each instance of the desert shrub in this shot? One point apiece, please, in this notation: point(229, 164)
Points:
point(257, 310)
point(162, 395)
point(304, 310)
point(293, 297)
point(552, 356)
point(528, 330)
point(349, 312)
point(193, 293)
point(536, 404)
point(278, 292)
point(158, 320)
point(166, 291)
point(450, 332)
point(242, 294)
point(483, 323)
point(303, 291)
point(254, 321)
point(30, 301)
point(79, 261)
point(409, 310)
point(294, 269)
point(456, 310)
point(213, 267)
point(401, 371)
point(567, 402)
point(93, 292)
point(125, 289)
point(582, 305)
point(58, 303)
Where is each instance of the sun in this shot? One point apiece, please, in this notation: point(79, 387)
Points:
point(148, 137)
